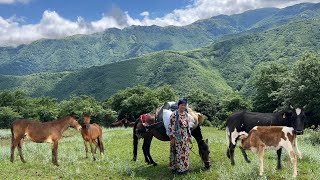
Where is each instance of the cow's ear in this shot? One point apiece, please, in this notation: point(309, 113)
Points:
point(206, 141)
point(304, 107)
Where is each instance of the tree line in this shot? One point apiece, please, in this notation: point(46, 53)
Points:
point(273, 87)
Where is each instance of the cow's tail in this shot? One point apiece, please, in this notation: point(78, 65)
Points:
point(135, 141)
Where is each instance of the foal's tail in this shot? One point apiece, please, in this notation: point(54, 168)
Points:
point(135, 141)
point(100, 144)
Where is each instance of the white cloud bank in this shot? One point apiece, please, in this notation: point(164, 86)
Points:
point(52, 25)
point(14, 1)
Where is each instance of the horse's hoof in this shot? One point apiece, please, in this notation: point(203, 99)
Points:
point(134, 159)
point(248, 161)
point(94, 159)
point(232, 163)
point(155, 164)
point(23, 161)
point(279, 167)
point(56, 164)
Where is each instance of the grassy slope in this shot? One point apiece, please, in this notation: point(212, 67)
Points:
point(35, 84)
point(117, 163)
point(153, 70)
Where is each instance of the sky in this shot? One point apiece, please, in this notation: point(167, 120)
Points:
point(24, 21)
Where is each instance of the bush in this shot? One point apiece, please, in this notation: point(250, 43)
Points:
point(312, 136)
point(7, 116)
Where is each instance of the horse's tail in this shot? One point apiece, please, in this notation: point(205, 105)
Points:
point(135, 141)
point(12, 135)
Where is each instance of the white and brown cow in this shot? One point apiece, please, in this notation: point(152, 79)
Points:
point(270, 137)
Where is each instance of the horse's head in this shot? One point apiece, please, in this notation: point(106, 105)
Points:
point(204, 152)
point(73, 122)
point(86, 118)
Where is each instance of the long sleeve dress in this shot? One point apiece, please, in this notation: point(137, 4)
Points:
point(180, 152)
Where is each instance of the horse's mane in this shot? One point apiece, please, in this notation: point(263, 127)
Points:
point(58, 120)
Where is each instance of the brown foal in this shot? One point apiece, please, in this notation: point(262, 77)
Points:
point(90, 133)
point(40, 132)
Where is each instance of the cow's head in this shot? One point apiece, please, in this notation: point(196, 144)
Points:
point(297, 117)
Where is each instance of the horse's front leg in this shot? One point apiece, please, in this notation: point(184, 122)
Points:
point(96, 144)
point(55, 153)
point(86, 148)
point(92, 151)
point(148, 153)
point(144, 149)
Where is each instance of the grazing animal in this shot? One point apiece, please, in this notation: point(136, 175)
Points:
point(270, 137)
point(245, 121)
point(92, 133)
point(40, 132)
point(119, 123)
point(158, 130)
point(131, 124)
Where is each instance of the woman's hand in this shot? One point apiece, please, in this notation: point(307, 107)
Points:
point(172, 141)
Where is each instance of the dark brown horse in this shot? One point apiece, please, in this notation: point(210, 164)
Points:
point(91, 133)
point(40, 132)
point(131, 124)
point(158, 130)
point(119, 123)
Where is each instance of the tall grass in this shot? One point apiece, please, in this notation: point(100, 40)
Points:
point(117, 163)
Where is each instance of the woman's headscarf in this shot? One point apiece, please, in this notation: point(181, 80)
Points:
point(182, 101)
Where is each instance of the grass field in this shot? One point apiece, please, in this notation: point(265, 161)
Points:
point(117, 163)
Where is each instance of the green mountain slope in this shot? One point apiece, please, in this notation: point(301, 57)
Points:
point(220, 68)
point(83, 51)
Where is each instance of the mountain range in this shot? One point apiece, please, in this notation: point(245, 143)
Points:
point(217, 55)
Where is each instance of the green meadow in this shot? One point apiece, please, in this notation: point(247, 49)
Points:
point(117, 161)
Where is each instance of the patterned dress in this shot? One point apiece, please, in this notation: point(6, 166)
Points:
point(180, 152)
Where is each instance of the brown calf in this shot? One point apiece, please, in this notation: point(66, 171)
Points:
point(270, 137)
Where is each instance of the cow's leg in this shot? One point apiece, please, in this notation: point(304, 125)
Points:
point(293, 160)
point(231, 152)
point(20, 150)
point(260, 153)
point(245, 155)
point(279, 158)
point(296, 147)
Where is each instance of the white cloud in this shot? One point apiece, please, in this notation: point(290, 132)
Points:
point(144, 13)
point(13, 32)
point(14, 1)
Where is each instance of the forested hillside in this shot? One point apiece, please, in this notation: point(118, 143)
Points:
point(113, 45)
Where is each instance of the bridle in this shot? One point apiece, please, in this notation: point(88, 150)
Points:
point(191, 147)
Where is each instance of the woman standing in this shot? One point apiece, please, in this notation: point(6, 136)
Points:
point(179, 133)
